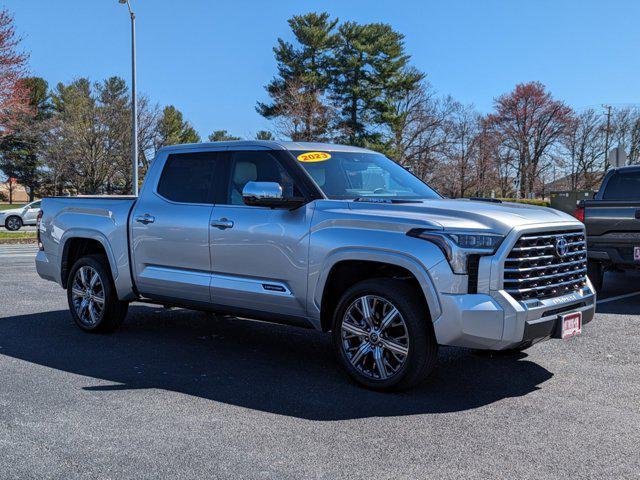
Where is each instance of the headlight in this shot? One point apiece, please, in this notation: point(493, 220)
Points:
point(458, 245)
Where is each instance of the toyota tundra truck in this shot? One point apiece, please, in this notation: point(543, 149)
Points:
point(330, 237)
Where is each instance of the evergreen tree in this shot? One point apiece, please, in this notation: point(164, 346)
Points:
point(173, 129)
point(303, 76)
point(370, 71)
point(222, 136)
point(264, 135)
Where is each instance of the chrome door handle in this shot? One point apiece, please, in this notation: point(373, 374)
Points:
point(146, 218)
point(222, 224)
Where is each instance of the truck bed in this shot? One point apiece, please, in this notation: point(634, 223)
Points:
point(101, 218)
point(613, 230)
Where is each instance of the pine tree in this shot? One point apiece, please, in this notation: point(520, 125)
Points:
point(222, 136)
point(265, 135)
point(173, 129)
point(370, 71)
point(298, 90)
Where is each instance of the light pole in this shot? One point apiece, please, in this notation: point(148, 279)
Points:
point(134, 103)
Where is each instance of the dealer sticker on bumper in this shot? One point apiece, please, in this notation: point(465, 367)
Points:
point(571, 324)
point(636, 254)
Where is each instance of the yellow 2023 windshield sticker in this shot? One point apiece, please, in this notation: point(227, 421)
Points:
point(314, 157)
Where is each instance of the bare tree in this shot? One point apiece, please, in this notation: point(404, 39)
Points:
point(462, 149)
point(625, 130)
point(583, 146)
point(14, 94)
point(301, 115)
point(418, 136)
point(530, 121)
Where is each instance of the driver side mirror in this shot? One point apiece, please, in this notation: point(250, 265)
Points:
point(268, 194)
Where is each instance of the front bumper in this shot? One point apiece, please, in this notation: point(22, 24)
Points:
point(495, 321)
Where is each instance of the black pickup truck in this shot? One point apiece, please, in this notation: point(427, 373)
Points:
point(612, 220)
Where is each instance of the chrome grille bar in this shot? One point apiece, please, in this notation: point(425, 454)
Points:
point(546, 265)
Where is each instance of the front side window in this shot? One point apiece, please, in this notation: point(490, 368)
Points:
point(257, 166)
point(347, 175)
point(623, 186)
point(189, 177)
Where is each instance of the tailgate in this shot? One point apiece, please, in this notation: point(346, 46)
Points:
point(613, 230)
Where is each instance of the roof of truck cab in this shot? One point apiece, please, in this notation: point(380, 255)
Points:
point(628, 168)
point(267, 144)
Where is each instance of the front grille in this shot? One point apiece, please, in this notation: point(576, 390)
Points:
point(535, 269)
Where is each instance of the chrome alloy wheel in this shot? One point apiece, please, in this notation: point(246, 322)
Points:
point(87, 295)
point(13, 223)
point(375, 338)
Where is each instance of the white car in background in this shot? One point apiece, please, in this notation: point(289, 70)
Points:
point(17, 217)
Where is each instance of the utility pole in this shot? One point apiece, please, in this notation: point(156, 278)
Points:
point(134, 104)
point(606, 136)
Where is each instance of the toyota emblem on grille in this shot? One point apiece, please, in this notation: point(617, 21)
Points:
point(562, 247)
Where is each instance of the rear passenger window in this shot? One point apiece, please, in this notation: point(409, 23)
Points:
point(623, 186)
point(189, 177)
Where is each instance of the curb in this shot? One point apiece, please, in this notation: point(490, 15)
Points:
point(17, 241)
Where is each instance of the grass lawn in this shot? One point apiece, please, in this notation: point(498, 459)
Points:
point(17, 235)
point(6, 206)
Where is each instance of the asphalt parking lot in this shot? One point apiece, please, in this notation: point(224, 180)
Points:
point(177, 394)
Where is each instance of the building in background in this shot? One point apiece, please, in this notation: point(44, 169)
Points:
point(12, 191)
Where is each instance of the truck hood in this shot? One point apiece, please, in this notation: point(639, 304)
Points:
point(465, 214)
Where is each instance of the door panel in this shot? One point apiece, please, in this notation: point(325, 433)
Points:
point(30, 214)
point(171, 238)
point(172, 254)
point(259, 255)
point(261, 262)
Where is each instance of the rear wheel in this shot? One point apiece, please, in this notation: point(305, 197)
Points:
point(91, 295)
point(595, 272)
point(13, 223)
point(382, 335)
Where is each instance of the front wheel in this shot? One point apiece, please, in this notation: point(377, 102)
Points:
point(13, 223)
point(382, 335)
point(92, 298)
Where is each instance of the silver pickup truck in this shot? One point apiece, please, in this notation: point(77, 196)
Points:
point(328, 237)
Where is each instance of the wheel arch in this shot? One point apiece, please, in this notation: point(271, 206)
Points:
point(77, 244)
point(348, 266)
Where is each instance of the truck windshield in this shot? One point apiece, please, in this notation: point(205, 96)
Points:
point(347, 175)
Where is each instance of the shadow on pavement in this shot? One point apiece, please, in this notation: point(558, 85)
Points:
point(620, 283)
point(270, 368)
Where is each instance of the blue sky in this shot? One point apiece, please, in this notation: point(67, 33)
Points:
point(211, 59)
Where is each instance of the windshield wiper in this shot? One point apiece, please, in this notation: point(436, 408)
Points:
point(483, 199)
point(384, 200)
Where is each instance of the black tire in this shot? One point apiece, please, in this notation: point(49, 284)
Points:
point(422, 345)
point(114, 310)
point(595, 272)
point(13, 223)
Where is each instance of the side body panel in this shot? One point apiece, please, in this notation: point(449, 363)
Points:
point(261, 262)
point(170, 243)
point(101, 219)
point(339, 233)
point(30, 215)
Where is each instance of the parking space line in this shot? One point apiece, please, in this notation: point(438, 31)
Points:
point(618, 297)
